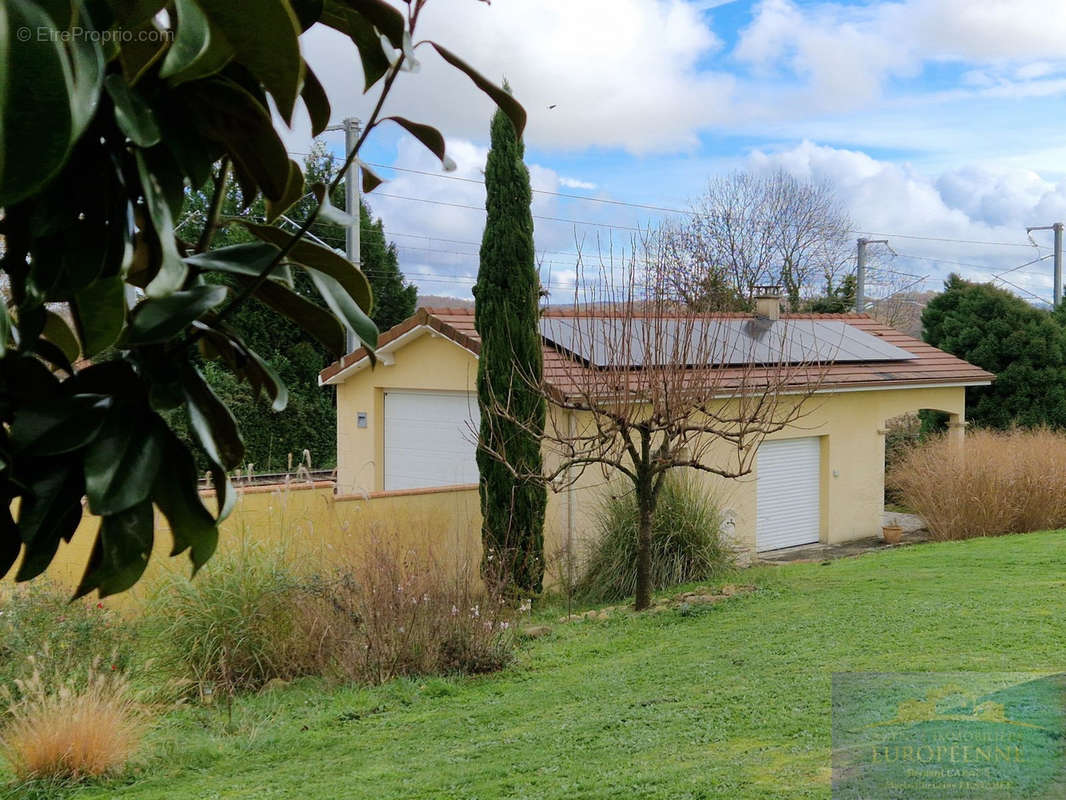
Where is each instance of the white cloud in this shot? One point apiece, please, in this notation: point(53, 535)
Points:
point(574, 183)
point(438, 234)
point(619, 73)
point(847, 52)
point(972, 203)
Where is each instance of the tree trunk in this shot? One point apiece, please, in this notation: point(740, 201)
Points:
point(645, 505)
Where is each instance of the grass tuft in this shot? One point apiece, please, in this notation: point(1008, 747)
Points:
point(686, 545)
point(998, 482)
point(66, 731)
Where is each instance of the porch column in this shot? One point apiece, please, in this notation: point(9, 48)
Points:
point(957, 431)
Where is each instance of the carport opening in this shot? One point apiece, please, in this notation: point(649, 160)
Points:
point(909, 430)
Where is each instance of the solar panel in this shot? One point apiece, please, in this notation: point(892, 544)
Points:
point(728, 341)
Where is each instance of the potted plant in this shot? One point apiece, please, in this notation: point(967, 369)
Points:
point(892, 534)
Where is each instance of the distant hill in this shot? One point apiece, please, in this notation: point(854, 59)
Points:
point(443, 301)
point(903, 311)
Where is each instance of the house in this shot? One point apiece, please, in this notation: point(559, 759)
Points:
point(408, 425)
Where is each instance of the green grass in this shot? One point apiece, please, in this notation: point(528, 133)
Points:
point(730, 702)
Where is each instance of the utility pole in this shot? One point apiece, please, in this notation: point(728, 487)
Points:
point(352, 188)
point(1057, 228)
point(860, 273)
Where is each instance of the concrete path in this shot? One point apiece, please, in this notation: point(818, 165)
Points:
point(913, 532)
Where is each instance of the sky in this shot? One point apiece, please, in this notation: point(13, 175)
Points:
point(941, 123)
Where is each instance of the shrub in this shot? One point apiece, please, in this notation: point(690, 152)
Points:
point(256, 615)
point(69, 729)
point(686, 545)
point(999, 482)
point(37, 619)
point(245, 619)
point(420, 615)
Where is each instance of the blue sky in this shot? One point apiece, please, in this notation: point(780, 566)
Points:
point(940, 119)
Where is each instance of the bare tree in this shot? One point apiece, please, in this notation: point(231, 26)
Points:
point(754, 229)
point(639, 385)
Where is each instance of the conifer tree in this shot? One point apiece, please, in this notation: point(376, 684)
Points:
point(1024, 346)
point(509, 373)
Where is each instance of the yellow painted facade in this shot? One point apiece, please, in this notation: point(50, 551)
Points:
point(317, 521)
point(308, 522)
point(850, 426)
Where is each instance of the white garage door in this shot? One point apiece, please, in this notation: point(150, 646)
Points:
point(789, 492)
point(429, 440)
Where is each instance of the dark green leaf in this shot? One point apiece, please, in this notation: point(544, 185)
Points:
point(120, 555)
point(370, 180)
point(266, 43)
point(230, 115)
point(199, 49)
point(59, 425)
point(238, 259)
point(508, 105)
point(384, 17)
point(320, 259)
point(362, 33)
point(100, 313)
point(122, 462)
point(308, 12)
point(50, 510)
point(132, 114)
point(263, 377)
point(176, 494)
point(244, 362)
point(225, 495)
point(42, 549)
point(53, 355)
point(10, 543)
point(427, 135)
point(36, 121)
point(159, 320)
point(316, 102)
point(329, 212)
point(5, 327)
point(310, 317)
point(131, 13)
point(144, 47)
point(59, 333)
point(341, 304)
point(211, 422)
point(87, 73)
point(172, 269)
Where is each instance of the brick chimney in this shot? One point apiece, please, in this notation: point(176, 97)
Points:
point(768, 302)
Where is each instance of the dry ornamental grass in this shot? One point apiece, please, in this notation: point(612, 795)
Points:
point(999, 482)
point(61, 731)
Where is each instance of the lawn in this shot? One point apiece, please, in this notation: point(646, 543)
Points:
point(729, 702)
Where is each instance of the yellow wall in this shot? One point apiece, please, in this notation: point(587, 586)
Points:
point(430, 362)
point(313, 521)
point(850, 424)
point(309, 522)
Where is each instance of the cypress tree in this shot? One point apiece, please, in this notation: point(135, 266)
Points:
point(509, 373)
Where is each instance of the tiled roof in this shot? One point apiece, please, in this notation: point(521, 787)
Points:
point(929, 365)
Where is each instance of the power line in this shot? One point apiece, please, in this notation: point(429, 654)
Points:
point(943, 239)
point(566, 195)
point(482, 210)
point(1026, 264)
point(651, 207)
point(1024, 291)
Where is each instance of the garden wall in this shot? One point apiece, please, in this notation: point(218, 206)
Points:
point(309, 521)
